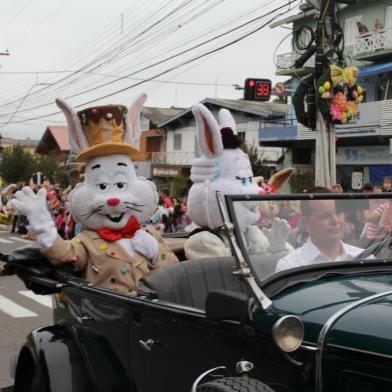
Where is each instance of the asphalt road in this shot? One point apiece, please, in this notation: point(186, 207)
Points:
point(20, 309)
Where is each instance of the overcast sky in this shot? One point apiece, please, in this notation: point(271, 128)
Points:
point(105, 40)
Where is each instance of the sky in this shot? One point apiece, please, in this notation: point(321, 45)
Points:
point(97, 50)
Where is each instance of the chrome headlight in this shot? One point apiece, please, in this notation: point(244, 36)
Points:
point(288, 333)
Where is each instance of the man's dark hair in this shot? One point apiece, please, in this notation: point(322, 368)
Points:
point(305, 206)
point(368, 187)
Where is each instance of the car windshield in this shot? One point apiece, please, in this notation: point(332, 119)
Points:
point(278, 233)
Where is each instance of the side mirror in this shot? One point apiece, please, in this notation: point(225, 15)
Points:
point(227, 305)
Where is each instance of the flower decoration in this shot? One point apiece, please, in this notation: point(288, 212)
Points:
point(339, 94)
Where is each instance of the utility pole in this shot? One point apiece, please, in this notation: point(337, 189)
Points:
point(325, 164)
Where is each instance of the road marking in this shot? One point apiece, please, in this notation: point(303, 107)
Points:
point(45, 300)
point(14, 310)
point(4, 241)
point(22, 240)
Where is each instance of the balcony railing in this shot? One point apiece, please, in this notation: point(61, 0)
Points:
point(286, 60)
point(373, 42)
point(183, 158)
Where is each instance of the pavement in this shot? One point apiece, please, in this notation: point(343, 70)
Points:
point(21, 310)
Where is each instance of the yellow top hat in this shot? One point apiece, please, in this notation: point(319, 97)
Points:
point(103, 130)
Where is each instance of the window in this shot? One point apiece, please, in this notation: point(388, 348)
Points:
point(177, 141)
point(351, 32)
point(153, 144)
point(302, 156)
point(241, 136)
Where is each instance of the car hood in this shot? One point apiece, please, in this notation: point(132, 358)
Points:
point(365, 328)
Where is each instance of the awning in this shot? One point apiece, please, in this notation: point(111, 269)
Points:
point(375, 69)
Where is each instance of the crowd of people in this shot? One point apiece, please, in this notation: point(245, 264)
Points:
point(56, 204)
point(170, 217)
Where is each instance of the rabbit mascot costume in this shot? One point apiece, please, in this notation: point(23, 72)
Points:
point(224, 167)
point(113, 251)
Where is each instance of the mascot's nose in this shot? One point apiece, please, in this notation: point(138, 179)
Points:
point(113, 201)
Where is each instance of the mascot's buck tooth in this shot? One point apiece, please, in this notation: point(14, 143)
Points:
point(113, 251)
point(224, 167)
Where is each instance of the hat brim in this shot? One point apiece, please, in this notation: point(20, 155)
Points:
point(107, 149)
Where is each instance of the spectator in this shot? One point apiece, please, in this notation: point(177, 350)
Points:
point(362, 29)
point(368, 188)
point(166, 199)
point(337, 188)
point(378, 26)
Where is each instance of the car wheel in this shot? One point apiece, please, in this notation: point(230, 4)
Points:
point(234, 384)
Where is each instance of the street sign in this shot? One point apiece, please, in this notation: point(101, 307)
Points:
point(257, 89)
point(279, 89)
point(356, 180)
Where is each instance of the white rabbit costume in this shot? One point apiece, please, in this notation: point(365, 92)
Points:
point(224, 167)
point(113, 251)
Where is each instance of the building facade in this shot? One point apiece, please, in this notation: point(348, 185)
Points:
point(181, 147)
point(363, 144)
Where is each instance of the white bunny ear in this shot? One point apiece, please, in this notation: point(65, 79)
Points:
point(76, 136)
point(133, 131)
point(208, 134)
point(226, 120)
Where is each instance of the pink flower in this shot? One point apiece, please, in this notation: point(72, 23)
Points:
point(335, 112)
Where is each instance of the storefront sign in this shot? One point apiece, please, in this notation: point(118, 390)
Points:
point(166, 172)
point(363, 155)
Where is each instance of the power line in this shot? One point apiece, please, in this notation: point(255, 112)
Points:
point(175, 67)
point(166, 59)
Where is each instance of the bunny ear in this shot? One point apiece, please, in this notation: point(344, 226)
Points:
point(76, 136)
point(226, 120)
point(279, 179)
point(133, 131)
point(208, 133)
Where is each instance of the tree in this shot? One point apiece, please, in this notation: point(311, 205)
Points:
point(52, 166)
point(16, 165)
point(257, 161)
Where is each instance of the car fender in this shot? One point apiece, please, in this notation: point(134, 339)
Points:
point(52, 358)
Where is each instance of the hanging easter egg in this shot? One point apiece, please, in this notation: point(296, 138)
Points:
point(327, 85)
point(321, 90)
point(354, 94)
point(360, 90)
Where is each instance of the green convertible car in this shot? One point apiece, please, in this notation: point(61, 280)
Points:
point(304, 304)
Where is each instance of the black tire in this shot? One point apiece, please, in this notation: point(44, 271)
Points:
point(234, 384)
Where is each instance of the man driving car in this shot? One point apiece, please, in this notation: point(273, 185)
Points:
point(324, 226)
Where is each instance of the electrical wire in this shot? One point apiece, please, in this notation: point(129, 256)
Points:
point(16, 15)
point(170, 69)
point(165, 60)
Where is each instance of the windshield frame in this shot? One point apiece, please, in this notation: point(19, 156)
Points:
point(284, 279)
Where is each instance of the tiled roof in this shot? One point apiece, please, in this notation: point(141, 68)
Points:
point(60, 134)
point(159, 115)
point(55, 137)
point(262, 109)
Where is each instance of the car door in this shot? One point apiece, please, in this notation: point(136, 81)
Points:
point(172, 345)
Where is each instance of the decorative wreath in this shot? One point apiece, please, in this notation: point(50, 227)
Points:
point(338, 95)
point(305, 87)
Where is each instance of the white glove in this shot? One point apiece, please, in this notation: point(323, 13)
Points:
point(277, 235)
point(145, 244)
point(33, 206)
point(257, 241)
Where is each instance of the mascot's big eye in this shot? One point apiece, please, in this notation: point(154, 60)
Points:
point(243, 180)
point(121, 185)
point(103, 186)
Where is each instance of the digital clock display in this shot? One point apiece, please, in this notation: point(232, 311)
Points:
point(257, 89)
point(263, 89)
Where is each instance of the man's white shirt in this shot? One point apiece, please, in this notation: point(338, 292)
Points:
point(309, 254)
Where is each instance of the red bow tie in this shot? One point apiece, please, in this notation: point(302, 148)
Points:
point(128, 231)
